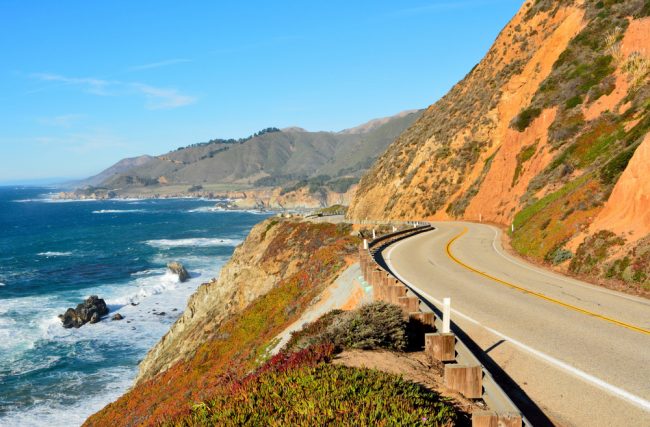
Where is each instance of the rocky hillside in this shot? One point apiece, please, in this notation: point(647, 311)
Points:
point(548, 132)
point(275, 250)
point(290, 158)
point(231, 322)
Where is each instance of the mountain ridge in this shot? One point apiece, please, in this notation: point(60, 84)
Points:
point(270, 158)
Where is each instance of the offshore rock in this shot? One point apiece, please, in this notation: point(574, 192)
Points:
point(178, 268)
point(89, 311)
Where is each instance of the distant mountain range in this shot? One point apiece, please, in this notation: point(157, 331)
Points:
point(291, 158)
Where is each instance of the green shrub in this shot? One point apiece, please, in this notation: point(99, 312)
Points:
point(559, 255)
point(371, 326)
point(573, 102)
point(524, 155)
point(324, 394)
point(612, 170)
point(525, 118)
point(593, 251)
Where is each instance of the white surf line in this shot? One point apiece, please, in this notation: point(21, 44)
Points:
point(611, 389)
point(558, 276)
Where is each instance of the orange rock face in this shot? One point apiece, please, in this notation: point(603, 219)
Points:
point(628, 208)
point(386, 192)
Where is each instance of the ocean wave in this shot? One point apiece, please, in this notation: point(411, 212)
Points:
point(207, 209)
point(54, 200)
point(3, 284)
point(54, 254)
point(200, 242)
point(112, 211)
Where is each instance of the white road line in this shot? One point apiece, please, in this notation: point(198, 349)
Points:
point(611, 389)
point(558, 276)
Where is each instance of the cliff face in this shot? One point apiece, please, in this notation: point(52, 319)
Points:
point(274, 250)
point(281, 271)
point(537, 134)
point(276, 198)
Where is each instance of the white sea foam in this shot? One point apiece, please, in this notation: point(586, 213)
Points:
point(141, 301)
point(113, 211)
point(54, 200)
point(3, 284)
point(54, 254)
point(55, 414)
point(200, 242)
point(207, 209)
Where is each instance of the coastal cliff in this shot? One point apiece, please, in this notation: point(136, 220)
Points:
point(273, 251)
point(541, 135)
point(230, 323)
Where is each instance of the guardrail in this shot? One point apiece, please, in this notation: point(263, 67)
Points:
point(462, 370)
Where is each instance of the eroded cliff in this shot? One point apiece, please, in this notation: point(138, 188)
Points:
point(275, 250)
point(536, 135)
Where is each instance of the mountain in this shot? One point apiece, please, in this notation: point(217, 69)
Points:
point(118, 168)
point(291, 157)
point(374, 124)
point(548, 134)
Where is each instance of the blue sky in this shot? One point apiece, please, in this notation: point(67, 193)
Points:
point(86, 83)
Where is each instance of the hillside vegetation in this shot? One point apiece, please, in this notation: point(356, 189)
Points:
point(212, 369)
point(292, 158)
point(544, 133)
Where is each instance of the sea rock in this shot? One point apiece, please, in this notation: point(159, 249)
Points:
point(117, 316)
point(89, 311)
point(178, 268)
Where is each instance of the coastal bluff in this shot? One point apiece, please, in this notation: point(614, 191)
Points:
point(274, 250)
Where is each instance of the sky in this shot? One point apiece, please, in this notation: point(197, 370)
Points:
point(84, 84)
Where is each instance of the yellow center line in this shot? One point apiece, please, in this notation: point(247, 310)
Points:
point(537, 294)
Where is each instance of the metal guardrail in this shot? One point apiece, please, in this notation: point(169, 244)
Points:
point(493, 395)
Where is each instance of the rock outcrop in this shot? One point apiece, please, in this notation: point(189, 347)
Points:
point(89, 311)
point(180, 270)
point(274, 250)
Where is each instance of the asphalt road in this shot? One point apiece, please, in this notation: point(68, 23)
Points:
point(581, 352)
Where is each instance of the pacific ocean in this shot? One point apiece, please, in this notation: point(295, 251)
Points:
point(53, 254)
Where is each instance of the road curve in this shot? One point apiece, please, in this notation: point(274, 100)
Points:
point(580, 351)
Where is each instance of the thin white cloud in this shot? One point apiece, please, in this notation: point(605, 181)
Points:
point(90, 84)
point(163, 98)
point(157, 98)
point(64, 121)
point(159, 64)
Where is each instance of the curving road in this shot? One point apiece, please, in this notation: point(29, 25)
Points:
point(581, 352)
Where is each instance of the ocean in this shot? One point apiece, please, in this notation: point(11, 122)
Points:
point(54, 254)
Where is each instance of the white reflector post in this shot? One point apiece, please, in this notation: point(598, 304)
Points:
point(446, 315)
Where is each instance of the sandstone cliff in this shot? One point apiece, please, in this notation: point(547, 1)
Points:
point(536, 135)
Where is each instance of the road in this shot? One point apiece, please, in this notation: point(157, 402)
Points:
point(581, 352)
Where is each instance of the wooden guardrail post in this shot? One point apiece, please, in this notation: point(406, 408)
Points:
point(427, 318)
point(409, 304)
point(441, 347)
point(467, 380)
point(494, 419)
point(396, 291)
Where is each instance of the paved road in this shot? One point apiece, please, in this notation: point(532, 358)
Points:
point(581, 352)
